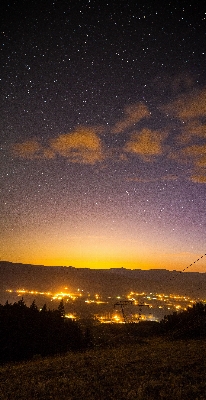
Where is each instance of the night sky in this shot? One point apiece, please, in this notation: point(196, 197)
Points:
point(103, 133)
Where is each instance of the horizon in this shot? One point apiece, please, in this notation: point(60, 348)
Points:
point(189, 268)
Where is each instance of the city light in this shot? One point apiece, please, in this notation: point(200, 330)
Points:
point(136, 306)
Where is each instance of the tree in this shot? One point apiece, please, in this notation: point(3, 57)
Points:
point(33, 306)
point(61, 308)
point(190, 323)
point(26, 331)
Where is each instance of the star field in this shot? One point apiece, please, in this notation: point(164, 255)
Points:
point(103, 133)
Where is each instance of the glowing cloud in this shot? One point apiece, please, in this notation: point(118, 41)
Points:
point(146, 143)
point(193, 129)
point(189, 106)
point(195, 154)
point(81, 146)
point(198, 178)
point(195, 151)
point(134, 113)
point(29, 149)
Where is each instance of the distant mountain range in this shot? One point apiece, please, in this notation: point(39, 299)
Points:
point(109, 282)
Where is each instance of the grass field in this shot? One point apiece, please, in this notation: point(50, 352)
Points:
point(151, 370)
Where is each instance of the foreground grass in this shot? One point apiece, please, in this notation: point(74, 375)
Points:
point(151, 370)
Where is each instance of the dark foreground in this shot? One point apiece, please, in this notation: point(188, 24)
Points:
point(148, 370)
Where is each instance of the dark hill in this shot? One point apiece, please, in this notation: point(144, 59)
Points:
point(105, 281)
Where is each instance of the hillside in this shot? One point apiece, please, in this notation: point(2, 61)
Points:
point(151, 369)
point(104, 281)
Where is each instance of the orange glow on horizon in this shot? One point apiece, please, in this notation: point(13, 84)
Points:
point(97, 252)
point(158, 262)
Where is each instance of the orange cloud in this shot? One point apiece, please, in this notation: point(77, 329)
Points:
point(188, 106)
point(193, 129)
point(146, 143)
point(195, 154)
point(29, 149)
point(201, 162)
point(48, 153)
point(134, 113)
point(198, 178)
point(195, 151)
point(169, 177)
point(81, 146)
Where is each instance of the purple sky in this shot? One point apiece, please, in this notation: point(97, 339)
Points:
point(103, 134)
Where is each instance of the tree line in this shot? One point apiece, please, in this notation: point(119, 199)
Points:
point(188, 324)
point(27, 331)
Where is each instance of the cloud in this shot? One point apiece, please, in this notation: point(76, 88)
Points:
point(80, 146)
point(192, 130)
point(201, 162)
point(146, 143)
point(199, 176)
point(188, 106)
point(29, 149)
point(170, 177)
point(48, 153)
point(195, 154)
point(133, 114)
point(194, 151)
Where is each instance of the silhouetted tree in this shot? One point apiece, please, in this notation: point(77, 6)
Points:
point(61, 308)
point(26, 331)
point(190, 323)
point(33, 306)
point(44, 309)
